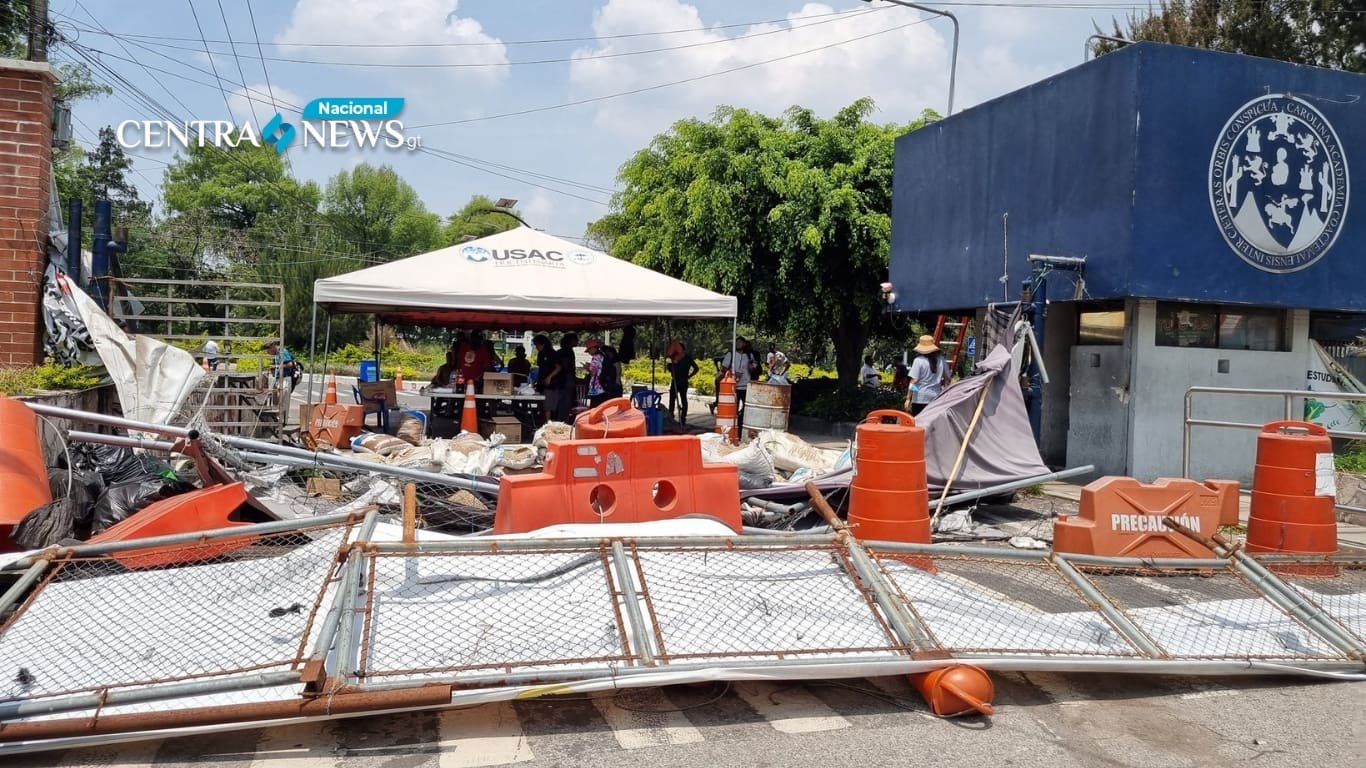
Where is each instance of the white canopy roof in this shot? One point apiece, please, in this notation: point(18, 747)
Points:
point(521, 277)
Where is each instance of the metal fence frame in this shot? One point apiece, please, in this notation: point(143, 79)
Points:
point(1287, 395)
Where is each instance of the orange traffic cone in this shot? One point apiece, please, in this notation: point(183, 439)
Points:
point(957, 689)
point(330, 396)
point(398, 379)
point(469, 419)
point(726, 425)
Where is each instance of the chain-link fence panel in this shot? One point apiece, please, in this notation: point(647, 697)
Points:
point(985, 605)
point(762, 602)
point(1337, 589)
point(454, 614)
point(169, 614)
point(1208, 613)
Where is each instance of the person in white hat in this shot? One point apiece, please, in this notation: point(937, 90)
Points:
point(929, 374)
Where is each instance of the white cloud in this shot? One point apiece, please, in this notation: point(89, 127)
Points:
point(540, 208)
point(904, 70)
point(398, 22)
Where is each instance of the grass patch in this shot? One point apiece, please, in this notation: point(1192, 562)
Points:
point(1352, 458)
point(48, 377)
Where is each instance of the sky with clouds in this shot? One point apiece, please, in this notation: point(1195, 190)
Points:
point(542, 100)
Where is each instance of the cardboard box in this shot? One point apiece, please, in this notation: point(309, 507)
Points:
point(497, 383)
point(324, 487)
point(508, 426)
point(382, 388)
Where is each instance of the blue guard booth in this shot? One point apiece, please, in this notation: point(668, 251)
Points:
point(1211, 198)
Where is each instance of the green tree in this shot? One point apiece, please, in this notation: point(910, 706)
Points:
point(102, 174)
point(475, 219)
point(1322, 33)
point(379, 213)
point(234, 186)
point(791, 215)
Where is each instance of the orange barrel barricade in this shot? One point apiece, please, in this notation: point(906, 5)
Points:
point(205, 509)
point(614, 419)
point(1293, 491)
point(889, 499)
point(23, 473)
point(957, 689)
point(1121, 517)
point(627, 480)
point(726, 410)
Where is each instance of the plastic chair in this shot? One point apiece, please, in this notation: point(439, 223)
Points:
point(375, 405)
point(648, 403)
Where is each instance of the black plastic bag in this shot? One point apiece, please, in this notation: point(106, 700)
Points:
point(116, 465)
point(120, 501)
point(47, 525)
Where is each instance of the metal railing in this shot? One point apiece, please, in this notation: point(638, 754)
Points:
point(1287, 395)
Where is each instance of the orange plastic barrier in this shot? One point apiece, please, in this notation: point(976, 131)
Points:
point(889, 499)
point(335, 424)
point(205, 509)
point(1121, 517)
point(469, 416)
point(727, 422)
point(957, 689)
point(23, 473)
point(1293, 491)
point(614, 419)
point(628, 480)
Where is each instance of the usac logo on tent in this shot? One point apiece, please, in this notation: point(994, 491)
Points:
point(514, 257)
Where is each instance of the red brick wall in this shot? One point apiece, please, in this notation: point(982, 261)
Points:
point(25, 192)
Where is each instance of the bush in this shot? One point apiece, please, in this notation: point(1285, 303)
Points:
point(48, 377)
point(845, 404)
point(1352, 458)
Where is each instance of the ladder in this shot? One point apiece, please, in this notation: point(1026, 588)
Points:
point(953, 350)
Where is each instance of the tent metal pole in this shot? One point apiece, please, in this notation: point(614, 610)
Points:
point(312, 357)
point(327, 349)
point(378, 362)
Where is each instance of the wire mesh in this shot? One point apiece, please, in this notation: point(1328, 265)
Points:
point(1338, 590)
point(450, 614)
point(170, 614)
point(981, 605)
point(759, 603)
point(1208, 614)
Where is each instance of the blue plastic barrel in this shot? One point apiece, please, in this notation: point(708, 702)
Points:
point(369, 371)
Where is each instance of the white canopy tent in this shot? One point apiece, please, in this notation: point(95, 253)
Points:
point(522, 278)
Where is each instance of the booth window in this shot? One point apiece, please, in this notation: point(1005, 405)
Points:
point(1100, 327)
point(1221, 327)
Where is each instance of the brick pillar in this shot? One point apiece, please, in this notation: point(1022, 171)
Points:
point(25, 194)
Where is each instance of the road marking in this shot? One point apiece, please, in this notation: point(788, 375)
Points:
point(481, 736)
point(649, 721)
point(140, 754)
point(307, 745)
point(789, 709)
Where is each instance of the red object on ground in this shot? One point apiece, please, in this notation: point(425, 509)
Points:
point(1121, 517)
point(627, 480)
point(1293, 491)
point(23, 473)
point(727, 410)
point(956, 690)
point(889, 499)
point(205, 509)
point(614, 419)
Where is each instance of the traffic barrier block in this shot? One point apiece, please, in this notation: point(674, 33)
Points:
point(1121, 517)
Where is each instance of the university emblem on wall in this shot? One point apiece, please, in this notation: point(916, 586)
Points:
point(1278, 183)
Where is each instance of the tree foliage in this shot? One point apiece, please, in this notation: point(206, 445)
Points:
point(234, 186)
point(475, 219)
point(1323, 33)
point(101, 173)
point(791, 215)
point(379, 213)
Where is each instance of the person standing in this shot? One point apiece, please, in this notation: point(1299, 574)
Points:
point(682, 367)
point(211, 354)
point(740, 367)
point(548, 374)
point(567, 380)
point(929, 374)
point(596, 395)
point(282, 366)
point(519, 366)
point(777, 365)
point(868, 375)
point(473, 359)
point(611, 372)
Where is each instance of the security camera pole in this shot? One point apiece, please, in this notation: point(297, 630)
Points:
point(953, 66)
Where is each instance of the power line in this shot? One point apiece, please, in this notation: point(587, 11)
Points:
point(212, 65)
point(673, 83)
point(251, 103)
point(261, 53)
point(168, 91)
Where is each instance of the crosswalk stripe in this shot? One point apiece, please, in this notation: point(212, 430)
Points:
point(138, 754)
point(481, 736)
point(789, 709)
point(308, 745)
point(648, 722)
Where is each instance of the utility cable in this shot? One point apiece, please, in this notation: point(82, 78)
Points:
point(208, 53)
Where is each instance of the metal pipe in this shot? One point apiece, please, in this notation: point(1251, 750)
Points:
point(907, 628)
point(1013, 485)
point(102, 699)
point(312, 357)
point(640, 633)
point(1287, 599)
point(361, 702)
point(71, 414)
point(1186, 438)
point(100, 438)
point(1087, 56)
point(496, 544)
point(348, 647)
point(74, 226)
point(1287, 396)
point(194, 537)
point(956, 550)
point(332, 619)
point(1131, 632)
point(750, 530)
point(466, 482)
point(953, 65)
point(18, 588)
point(1147, 562)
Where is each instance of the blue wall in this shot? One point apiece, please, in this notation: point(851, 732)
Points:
point(1112, 161)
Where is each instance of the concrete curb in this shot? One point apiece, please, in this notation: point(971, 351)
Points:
point(811, 426)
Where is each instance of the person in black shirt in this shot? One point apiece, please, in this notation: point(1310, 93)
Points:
point(547, 373)
point(682, 367)
point(566, 381)
point(519, 366)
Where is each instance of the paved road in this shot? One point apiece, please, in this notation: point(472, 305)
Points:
point(1042, 720)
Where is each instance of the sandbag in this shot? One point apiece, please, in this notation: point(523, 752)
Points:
point(120, 501)
point(380, 444)
point(411, 428)
point(754, 464)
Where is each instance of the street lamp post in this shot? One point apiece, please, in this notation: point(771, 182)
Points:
point(953, 66)
point(1087, 55)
